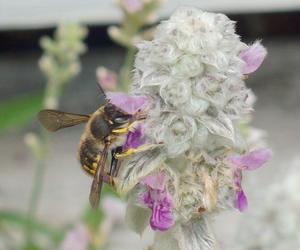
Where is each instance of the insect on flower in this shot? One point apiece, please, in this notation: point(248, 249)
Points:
point(105, 131)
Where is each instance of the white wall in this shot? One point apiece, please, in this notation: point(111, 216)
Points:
point(45, 13)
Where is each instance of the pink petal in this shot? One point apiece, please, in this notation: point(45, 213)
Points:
point(161, 218)
point(77, 239)
point(155, 181)
point(253, 56)
point(146, 199)
point(237, 178)
point(252, 160)
point(241, 202)
point(133, 6)
point(159, 201)
point(130, 104)
point(113, 209)
point(107, 79)
point(135, 139)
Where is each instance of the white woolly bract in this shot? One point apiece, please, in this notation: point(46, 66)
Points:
point(194, 235)
point(192, 74)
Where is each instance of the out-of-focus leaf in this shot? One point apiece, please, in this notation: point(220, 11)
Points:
point(56, 235)
point(19, 110)
point(108, 190)
point(93, 218)
point(32, 246)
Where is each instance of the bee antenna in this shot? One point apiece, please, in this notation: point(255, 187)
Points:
point(102, 92)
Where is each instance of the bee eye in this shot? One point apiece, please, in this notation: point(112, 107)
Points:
point(121, 120)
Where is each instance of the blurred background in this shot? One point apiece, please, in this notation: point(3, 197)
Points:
point(43, 191)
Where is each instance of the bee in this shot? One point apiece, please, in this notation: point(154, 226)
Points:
point(105, 131)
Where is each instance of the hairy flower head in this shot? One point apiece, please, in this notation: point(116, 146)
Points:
point(192, 74)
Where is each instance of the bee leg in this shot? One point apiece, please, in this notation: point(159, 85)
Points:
point(131, 151)
point(95, 163)
point(90, 164)
point(88, 170)
point(114, 162)
point(108, 179)
point(122, 131)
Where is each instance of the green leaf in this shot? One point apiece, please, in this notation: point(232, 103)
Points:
point(93, 218)
point(21, 220)
point(18, 111)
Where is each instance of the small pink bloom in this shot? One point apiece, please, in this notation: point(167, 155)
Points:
point(159, 201)
point(241, 202)
point(107, 79)
point(133, 6)
point(130, 104)
point(77, 239)
point(253, 56)
point(250, 161)
point(155, 181)
point(135, 138)
point(113, 209)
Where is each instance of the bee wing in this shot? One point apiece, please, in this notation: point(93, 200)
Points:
point(96, 187)
point(54, 120)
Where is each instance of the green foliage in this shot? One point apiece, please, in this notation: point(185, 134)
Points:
point(92, 217)
point(60, 64)
point(55, 234)
point(60, 61)
point(134, 27)
point(18, 111)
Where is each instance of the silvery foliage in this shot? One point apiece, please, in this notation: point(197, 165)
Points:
point(191, 72)
point(275, 224)
point(196, 234)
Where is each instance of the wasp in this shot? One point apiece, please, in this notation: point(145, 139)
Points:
point(105, 131)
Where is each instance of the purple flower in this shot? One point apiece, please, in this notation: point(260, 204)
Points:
point(240, 199)
point(159, 201)
point(250, 161)
point(77, 239)
point(107, 79)
point(253, 56)
point(135, 138)
point(130, 104)
point(133, 6)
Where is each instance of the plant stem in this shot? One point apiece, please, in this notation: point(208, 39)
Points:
point(126, 70)
point(37, 187)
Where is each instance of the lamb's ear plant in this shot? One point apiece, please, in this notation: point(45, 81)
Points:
point(136, 25)
point(193, 75)
point(60, 64)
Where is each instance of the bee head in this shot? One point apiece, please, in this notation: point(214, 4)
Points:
point(122, 119)
point(116, 115)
